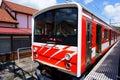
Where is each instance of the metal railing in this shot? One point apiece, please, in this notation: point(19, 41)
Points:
point(22, 49)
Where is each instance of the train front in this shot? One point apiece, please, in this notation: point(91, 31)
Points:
point(55, 39)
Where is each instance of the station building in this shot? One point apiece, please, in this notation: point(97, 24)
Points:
point(15, 26)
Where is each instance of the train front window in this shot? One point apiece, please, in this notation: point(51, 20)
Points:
point(57, 26)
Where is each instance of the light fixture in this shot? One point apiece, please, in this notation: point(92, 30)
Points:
point(35, 49)
point(36, 55)
point(68, 65)
point(68, 56)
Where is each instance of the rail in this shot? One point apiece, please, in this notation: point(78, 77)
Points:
point(20, 49)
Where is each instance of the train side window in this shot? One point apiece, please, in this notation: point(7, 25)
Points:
point(89, 34)
point(112, 34)
point(88, 42)
point(105, 34)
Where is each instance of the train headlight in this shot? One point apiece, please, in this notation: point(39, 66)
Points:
point(34, 49)
point(68, 56)
point(35, 55)
point(68, 65)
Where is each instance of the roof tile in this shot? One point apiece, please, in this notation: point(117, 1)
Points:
point(20, 8)
point(5, 17)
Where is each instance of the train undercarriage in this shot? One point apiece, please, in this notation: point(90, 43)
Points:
point(44, 72)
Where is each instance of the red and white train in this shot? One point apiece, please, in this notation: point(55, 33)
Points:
point(68, 38)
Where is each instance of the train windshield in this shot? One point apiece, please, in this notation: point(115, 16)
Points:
point(58, 26)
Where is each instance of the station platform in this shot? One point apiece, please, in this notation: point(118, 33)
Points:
point(108, 67)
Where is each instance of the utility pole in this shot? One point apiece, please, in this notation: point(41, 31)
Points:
point(73, 0)
point(110, 21)
point(66, 1)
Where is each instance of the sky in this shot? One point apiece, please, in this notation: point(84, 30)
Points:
point(108, 10)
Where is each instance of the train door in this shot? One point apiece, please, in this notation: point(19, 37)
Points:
point(98, 39)
point(110, 38)
point(88, 42)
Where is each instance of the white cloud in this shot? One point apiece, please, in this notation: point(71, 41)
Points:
point(105, 3)
point(87, 1)
point(112, 12)
point(37, 4)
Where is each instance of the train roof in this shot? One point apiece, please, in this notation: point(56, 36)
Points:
point(75, 4)
point(92, 14)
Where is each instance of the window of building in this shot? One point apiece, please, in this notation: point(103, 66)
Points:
point(20, 42)
point(5, 44)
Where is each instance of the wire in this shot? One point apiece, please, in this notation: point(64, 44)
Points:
point(115, 23)
point(96, 9)
point(99, 9)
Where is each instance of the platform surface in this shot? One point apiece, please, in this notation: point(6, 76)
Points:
point(108, 67)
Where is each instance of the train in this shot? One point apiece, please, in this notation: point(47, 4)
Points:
point(67, 39)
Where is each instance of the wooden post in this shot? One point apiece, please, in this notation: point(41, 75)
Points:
point(13, 55)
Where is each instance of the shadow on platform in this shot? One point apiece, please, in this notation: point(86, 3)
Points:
point(10, 70)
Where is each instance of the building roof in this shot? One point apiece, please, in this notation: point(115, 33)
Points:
point(5, 17)
point(19, 8)
point(15, 31)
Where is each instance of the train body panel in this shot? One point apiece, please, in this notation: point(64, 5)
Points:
point(54, 56)
point(57, 48)
point(70, 38)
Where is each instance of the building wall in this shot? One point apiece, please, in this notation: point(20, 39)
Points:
point(30, 21)
point(7, 25)
point(24, 20)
